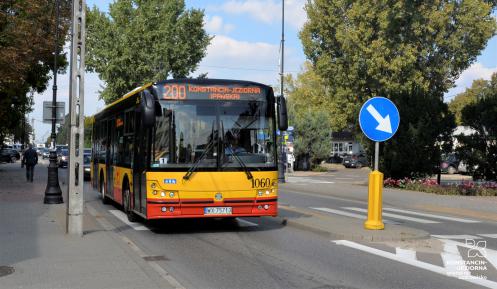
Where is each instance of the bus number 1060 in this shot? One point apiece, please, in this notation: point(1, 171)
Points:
point(174, 91)
point(261, 183)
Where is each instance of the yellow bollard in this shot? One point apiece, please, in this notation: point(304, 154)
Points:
point(374, 221)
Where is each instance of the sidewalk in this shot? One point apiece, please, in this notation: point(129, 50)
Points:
point(35, 251)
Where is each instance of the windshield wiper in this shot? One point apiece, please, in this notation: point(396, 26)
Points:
point(202, 156)
point(238, 159)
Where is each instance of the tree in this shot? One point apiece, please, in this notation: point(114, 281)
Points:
point(89, 120)
point(466, 98)
point(397, 49)
point(143, 41)
point(309, 90)
point(424, 133)
point(479, 150)
point(312, 136)
point(27, 38)
point(64, 131)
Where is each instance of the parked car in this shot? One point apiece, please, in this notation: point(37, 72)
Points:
point(63, 158)
point(335, 159)
point(450, 164)
point(45, 153)
point(9, 155)
point(355, 161)
point(86, 164)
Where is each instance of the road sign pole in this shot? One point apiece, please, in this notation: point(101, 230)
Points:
point(376, 155)
point(375, 190)
point(379, 120)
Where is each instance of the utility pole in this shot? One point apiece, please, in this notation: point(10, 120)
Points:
point(282, 158)
point(33, 129)
point(76, 111)
point(53, 193)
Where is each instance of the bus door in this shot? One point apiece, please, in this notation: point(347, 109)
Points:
point(139, 166)
point(109, 158)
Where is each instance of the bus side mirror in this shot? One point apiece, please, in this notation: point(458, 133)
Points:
point(147, 108)
point(282, 114)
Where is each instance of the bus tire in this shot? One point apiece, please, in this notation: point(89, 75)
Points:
point(105, 200)
point(132, 217)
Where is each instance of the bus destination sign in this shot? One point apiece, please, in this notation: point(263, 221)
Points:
point(184, 91)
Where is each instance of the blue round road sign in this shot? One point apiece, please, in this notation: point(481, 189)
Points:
point(379, 118)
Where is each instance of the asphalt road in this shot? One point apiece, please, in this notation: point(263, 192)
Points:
point(267, 253)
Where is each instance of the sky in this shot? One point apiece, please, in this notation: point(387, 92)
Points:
point(246, 46)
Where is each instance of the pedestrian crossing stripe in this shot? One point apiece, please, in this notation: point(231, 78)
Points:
point(346, 212)
point(396, 216)
point(351, 215)
point(431, 215)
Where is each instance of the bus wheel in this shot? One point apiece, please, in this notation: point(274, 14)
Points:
point(132, 217)
point(105, 200)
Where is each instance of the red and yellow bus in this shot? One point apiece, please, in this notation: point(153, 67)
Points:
point(190, 148)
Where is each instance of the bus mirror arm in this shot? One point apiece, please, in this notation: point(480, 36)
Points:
point(282, 114)
point(148, 108)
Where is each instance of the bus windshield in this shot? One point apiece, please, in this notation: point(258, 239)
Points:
point(228, 134)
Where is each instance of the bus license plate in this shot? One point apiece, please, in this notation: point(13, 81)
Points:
point(218, 211)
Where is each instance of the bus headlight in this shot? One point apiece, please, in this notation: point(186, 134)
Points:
point(154, 192)
point(163, 209)
point(171, 194)
point(260, 193)
point(153, 185)
point(162, 194)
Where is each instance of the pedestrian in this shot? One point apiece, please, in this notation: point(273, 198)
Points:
point(30, 160)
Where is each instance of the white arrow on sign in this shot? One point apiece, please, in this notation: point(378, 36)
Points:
point(383, 122)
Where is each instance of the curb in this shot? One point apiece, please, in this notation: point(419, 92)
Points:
point(336, 227)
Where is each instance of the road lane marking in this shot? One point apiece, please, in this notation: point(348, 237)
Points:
point(493, 236)
point(412, 219)
point(246, 223)
point(349, 214)
point(306, 180)
point(463, 237)
point(416, 263)
point(431, 215)
point(121, 216)
point(489, 254)
point(452, 259)
point(405, 253)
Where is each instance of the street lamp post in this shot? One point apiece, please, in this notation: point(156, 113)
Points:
point(282, 158)
point(53, 193)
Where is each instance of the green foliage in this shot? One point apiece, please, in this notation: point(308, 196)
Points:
point(143, 41)
point(309, 90)
point(424, 133)
point(27, 40)
point(319, 169)
point(312, 135)
point(88, 131)
point(466, 98)
point(409, 51)
point(479, 150)
point(366, 48)
point(64, 133)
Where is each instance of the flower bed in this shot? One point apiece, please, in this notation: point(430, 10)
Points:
point(466, 188)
